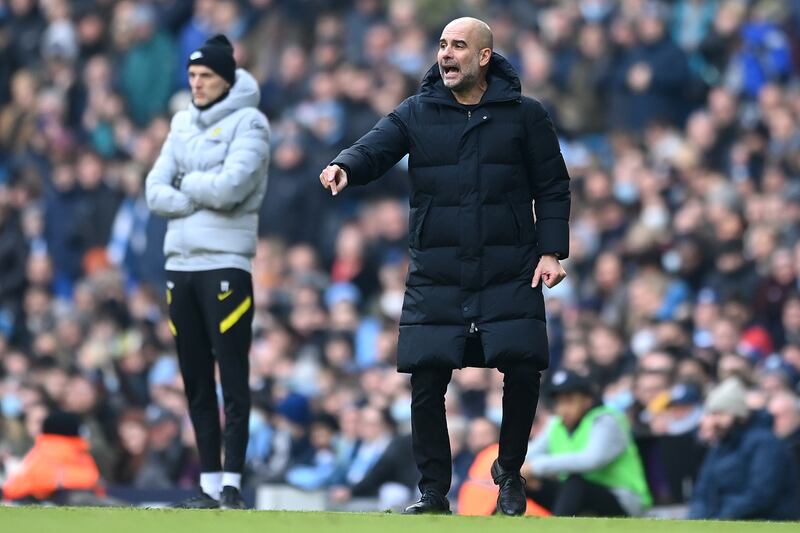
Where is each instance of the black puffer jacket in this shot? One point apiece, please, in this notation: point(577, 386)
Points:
point(473, 241)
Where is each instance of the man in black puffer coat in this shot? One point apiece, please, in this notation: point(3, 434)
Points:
point(479, 155)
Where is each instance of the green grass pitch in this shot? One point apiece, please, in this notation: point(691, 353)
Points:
point(115, 520)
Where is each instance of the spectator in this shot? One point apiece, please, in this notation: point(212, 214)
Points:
point(323, 465)
point(652, 75)
point(59, 463)
point(590, 450)
point(147, 60)
point(748, 473)
point(785, 410)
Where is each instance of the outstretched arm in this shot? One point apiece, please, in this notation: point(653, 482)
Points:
point(372, 155)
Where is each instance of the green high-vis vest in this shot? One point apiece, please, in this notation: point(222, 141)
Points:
point(625, 471)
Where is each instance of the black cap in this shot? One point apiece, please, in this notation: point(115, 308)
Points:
point(567, 381)
point(686, 393)
point(59, 423)
point(216, 54)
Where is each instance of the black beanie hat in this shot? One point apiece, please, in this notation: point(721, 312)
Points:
point(216, 54)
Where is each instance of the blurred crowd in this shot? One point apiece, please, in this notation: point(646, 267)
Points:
point(679, 122)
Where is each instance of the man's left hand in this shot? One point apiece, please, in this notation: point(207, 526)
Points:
point(549, 270)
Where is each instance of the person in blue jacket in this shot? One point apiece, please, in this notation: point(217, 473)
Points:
point(748, 473)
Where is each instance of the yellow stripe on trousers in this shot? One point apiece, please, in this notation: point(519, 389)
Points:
point(234, 317)
point(172, 328)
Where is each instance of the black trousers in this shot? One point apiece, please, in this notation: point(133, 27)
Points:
point(211, 316)
point(430, 439)
point(576, 496)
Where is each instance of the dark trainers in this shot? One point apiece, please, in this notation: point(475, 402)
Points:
point(231, 498)
point(201, 501)
point(431, 502)
point(511, 500)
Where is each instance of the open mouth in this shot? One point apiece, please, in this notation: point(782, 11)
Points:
point(450, 70)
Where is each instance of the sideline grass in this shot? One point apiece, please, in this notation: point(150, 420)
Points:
point(117, 520)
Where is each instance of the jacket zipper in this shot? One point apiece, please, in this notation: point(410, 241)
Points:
point(473, 328)
point(469, 114)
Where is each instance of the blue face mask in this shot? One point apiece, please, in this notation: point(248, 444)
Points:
point(595, 10)
point(495, 414)
point(626, 192)
point(11, 406)
point(256, 422)
point(620, 401)
point(401, 410)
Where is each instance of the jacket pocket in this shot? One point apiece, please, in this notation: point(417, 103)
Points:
point(214, 151)
point(417, 218)
point(523, 220)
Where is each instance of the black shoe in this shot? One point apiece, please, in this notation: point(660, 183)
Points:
point(511, 500)
point(231, 498)
point(432, 502)
point(201, 501)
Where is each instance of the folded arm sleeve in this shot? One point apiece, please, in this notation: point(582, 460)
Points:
point(162, 198)
point(248, 152)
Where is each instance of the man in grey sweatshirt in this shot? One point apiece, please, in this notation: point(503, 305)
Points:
point(209, 181)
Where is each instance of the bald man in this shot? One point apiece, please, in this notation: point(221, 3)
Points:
point(480, 154)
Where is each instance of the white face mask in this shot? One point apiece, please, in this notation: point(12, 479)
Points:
point(392, 304)
point(643, 341)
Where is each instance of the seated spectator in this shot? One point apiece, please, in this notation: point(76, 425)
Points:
point(651, 393)
point(478, 494)
point(682, 413)
point(585, 461)
point(748, 473)
point(58, 463)
point(785, 410)
point(290, 442)
point(323, 466)
point(383, 466)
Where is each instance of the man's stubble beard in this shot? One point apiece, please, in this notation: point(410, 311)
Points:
point(466, 84)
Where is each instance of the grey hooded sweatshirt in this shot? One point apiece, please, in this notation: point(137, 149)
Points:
point(222, 154)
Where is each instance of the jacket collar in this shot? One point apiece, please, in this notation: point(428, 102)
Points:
point(244, 93)
point(503, 84)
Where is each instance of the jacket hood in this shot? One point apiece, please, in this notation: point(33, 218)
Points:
point(244, 93)
point(503, 82)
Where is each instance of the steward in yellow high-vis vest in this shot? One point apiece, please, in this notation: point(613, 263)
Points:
point(586, 458)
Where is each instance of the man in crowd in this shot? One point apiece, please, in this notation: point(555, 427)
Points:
point(748, 473)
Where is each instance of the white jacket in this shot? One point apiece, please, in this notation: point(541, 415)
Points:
point(223, 154)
